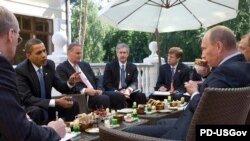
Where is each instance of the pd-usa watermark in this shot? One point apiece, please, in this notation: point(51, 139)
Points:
point(208, 132)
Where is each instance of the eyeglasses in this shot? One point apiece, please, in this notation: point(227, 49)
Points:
point(19, 39)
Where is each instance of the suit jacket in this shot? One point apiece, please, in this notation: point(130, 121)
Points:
point(232, 73)
point(181, 75)
point(111, 78)
point(65, 70)
point(29, 87)
point(14, 126)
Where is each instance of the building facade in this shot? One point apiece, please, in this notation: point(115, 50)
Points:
point(39, 19)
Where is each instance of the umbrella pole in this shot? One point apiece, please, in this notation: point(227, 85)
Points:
point(158, 46)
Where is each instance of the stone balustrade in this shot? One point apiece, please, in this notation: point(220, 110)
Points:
point(146, 76)
point(147, 71)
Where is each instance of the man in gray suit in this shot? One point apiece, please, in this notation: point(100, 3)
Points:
point(89, 84)
point(230, 71)
point(120, 76)
point(14, 124)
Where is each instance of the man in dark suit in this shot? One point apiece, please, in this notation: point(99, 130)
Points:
point(96, 99)
point(14, 124)
point(121, 76)
point(37, 97)
point(172, 76)
point(230, 71)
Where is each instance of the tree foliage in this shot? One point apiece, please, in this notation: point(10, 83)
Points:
point(93, 48)
point(102, 39)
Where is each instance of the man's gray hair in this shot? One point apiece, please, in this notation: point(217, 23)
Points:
point(7, 21)
point(72, 45)
point(122, 45)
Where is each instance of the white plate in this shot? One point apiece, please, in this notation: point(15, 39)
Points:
point(181, 105)
point(114, 126)
point(173, 108)
point(125, 110)
point(92, 130)
point(131, 120)
point(161, 93)
point(164, 111)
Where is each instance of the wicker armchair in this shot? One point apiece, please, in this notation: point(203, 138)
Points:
point(216, 106)
point(107, 134)
point(82, 101)
point(248, 118)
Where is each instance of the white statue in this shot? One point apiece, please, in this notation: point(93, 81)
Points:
point(153, 48)
point(59, 55)
point(153, 57)
point(59, 40)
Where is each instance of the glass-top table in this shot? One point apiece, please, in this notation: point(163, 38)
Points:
point(157, 116)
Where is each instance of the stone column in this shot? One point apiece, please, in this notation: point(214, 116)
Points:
point(153, 59)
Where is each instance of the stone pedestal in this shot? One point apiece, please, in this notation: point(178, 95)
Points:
point(153, 59)
point(59, 40)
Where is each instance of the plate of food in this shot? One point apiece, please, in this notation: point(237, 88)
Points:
point(200, 64)
point(92, 130)
point(125, 110)
point(129, 118)
point(150, 112)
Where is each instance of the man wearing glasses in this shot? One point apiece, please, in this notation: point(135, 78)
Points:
point(14, 125)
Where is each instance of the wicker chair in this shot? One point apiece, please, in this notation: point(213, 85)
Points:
point(248, 118)
point(82, 101)
point(221, 106)
point(216, 106)
point(107, 134)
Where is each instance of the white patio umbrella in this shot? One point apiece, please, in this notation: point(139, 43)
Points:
point(167, 15)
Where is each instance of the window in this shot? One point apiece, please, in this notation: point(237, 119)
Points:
point(33, 27)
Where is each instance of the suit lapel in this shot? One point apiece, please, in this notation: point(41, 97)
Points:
point(34, 78)
point(177, 71)
point(47, 76)
point(117, 73)
point(127, 71)
point(71, 70)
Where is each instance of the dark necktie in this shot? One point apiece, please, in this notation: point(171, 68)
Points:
point(123, 82)
point(172, 75)
point(42, 84)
